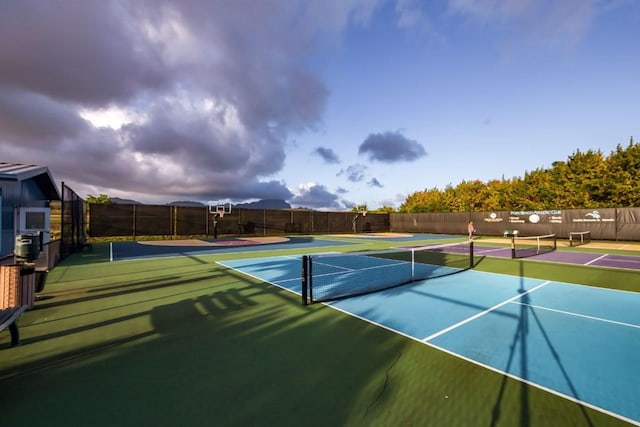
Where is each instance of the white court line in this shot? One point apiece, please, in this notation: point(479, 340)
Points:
point(482, 313)
point(390, 263)
point(485, 251)
point(596, 259)
point(239, 270)
point(600, 319)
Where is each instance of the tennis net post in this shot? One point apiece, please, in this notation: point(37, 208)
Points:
point(522, 247)
point(577, 238)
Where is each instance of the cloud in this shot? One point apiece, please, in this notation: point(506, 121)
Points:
point(316, 196)
point(164, 100)
point(31, 118)
point(373, 182)
point(547, 22)
point(391, 147)
point(410, 15)
point(354, 173)
point(327, 154)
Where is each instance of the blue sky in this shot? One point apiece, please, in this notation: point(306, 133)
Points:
point(324, 104)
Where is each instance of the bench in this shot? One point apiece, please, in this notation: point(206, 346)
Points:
point(8, 318)
point(510, 233)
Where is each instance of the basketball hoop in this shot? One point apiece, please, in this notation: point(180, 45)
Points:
point(218, 210)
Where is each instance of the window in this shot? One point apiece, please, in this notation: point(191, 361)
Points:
point(34, 221)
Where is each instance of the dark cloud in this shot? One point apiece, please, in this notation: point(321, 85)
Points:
point(30, 118)
point(374, 183)
point(89, 52)
point(354, 173)
point(391, 147)
point(316, 196)
point(327, 154)
point(206, 92)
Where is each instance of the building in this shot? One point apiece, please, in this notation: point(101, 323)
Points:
point(25, 195)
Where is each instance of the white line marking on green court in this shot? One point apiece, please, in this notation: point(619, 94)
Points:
point(600, 319)
point(596, 259)
point(486, 251)
point(482, 313)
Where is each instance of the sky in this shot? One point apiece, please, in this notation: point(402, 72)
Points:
point(326, 104)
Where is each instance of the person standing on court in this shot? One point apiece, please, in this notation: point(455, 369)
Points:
point(471, 229)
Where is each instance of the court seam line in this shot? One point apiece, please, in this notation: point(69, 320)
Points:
point(631, 325)
point(482, 313)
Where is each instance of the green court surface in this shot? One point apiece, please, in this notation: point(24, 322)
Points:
point(185, 341)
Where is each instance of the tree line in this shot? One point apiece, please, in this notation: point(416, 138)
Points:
point(585, 180)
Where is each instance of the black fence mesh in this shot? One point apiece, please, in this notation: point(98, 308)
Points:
point(106, 220)
point(151, 220)
point(190, 220)
point(73, 222)
point(155, 220)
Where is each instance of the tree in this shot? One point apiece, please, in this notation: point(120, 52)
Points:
point(586, 180)
point(384, 209)
point(102, 199)
point(624, 167)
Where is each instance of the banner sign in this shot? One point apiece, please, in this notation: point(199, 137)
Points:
point(536, 217)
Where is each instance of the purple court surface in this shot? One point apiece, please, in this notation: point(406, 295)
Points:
point(570, 257)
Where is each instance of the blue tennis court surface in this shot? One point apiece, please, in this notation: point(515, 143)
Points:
point(580, 342)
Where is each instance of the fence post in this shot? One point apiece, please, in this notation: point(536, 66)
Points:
point(305, 276)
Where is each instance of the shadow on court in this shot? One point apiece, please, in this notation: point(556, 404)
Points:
point(521, 341)
point(185, 342)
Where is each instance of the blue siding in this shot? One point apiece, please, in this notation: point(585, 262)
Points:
point(10, 200)
point(16, 194)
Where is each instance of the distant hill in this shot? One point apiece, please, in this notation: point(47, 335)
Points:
point(186, 203)
point(260, 204)
point(120, 201)
point(265, 204)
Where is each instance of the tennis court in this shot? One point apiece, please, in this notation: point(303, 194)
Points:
point(199, 335)
point(578, 342)
point(132, 250)
point(612, 260)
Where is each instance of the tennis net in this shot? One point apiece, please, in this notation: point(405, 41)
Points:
point(327, 277)
point(577, 238)
point(522, 247)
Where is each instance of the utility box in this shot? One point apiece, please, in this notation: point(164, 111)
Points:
point(28, 246)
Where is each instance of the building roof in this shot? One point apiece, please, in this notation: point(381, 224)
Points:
point(40, 174)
